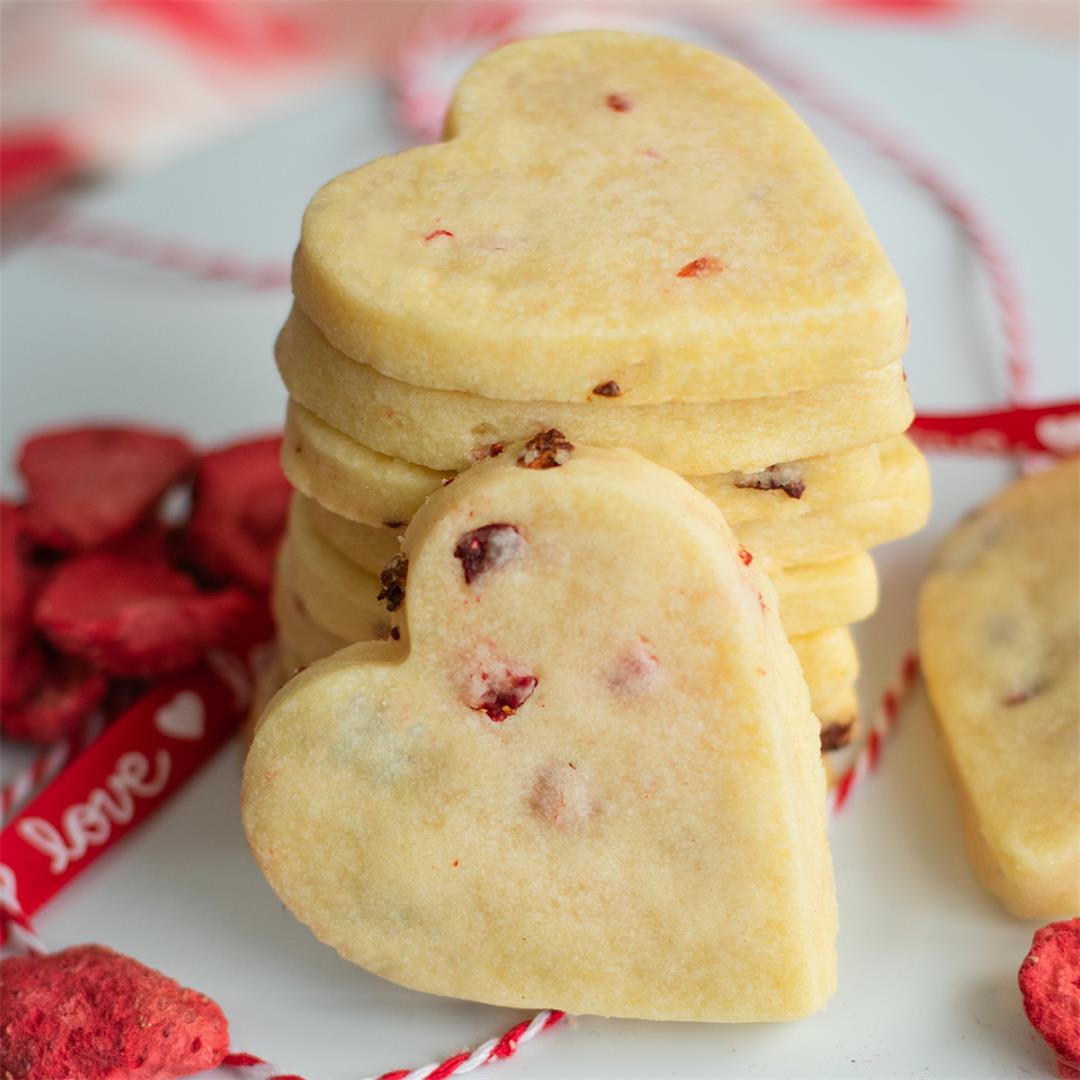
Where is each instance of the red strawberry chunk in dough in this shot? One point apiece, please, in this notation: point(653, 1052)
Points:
point(637, 669)
point(1050, 985)
point(65, 692)
point(241, 505)
point(90, 485)
point(560, 796)
point(88, 1013)
point(134, 615)
point(701, 267)
point(488, 548)
point(496, 686)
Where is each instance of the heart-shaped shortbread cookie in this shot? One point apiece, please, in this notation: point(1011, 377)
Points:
point(586, 777)
point(610, 216)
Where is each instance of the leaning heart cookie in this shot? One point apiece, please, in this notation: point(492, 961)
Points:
point(588, 775)
point(611, 216)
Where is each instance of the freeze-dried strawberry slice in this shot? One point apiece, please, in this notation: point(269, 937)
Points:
point(89, 1013)
point(65, 693)
point(13, 599)
point(1050, 985)
point(90, 485)
point(21, 669)
point(14, 606)
point(20, 657)
point(241, 505)
point(132, 614)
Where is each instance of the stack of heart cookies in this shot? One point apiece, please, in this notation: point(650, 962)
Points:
point(625, 242)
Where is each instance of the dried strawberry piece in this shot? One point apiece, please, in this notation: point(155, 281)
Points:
point(836, 735)
point(90, 485)
point(1026, 693)
point(66, 691)
point(1050, 986)
point(785, 478)
point(608, 389)
point(488, 548)
point(548, 450)
point(21, 669)
point(21, 578)
point(130, 613)
point(15, 625)
point(88, 1013)
point(560, 796)
point(637, 669)
point(241, 505)
point(701, 267)
point(497, 687)
point(393, 578)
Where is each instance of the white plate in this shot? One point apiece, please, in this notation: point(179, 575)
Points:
point(928, 960)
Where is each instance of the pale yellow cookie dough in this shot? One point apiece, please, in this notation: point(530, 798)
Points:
point(999, 639)
point(302, 639)
point(349, 478)
point(369, 547)
point(449, 430)
point(363, 485)
point(901, 508)
point(609, 207)
point(820, 595)
point(335, 592)
point(588, 777)
point(828, 658)
point(837, 709)
point(812, 597)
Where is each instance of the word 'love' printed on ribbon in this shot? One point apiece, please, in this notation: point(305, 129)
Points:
point(139, 762)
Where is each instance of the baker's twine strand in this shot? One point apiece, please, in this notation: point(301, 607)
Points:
point(41, 771)
point(16, 924)
point(868, 757)
point(127, 242)
point(1004, 287)
point(168, 255)
point(465, 1061)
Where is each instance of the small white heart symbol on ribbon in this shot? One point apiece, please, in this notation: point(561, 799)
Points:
point(182, 718)
point(1061, 434)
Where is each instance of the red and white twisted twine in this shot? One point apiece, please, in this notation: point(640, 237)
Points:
point(47, 765)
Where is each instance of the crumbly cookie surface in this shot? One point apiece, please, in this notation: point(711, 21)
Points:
point(999, 637)
point(693, 243)
point(587, 775)
point(444, 429)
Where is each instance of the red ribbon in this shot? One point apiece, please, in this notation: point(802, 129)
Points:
point(131, 771)
point(1047, 429)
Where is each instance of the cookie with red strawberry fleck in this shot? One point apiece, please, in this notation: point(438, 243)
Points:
point(704, 245)
point(587, 691)
point(999, 636)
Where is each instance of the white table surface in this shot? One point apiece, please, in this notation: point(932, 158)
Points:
point(927, 960)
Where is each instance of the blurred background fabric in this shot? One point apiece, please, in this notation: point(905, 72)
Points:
point(92, 88)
